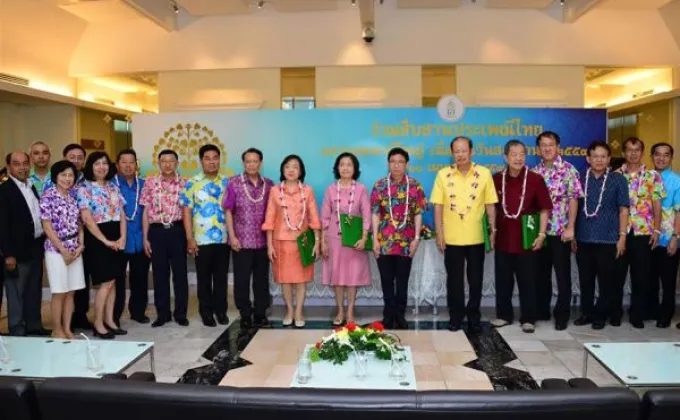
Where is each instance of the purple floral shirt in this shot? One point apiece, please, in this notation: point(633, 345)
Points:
point(64, 215)
point(248, 209)
point(563, 184)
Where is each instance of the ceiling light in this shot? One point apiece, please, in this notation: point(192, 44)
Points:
point(354, 2)
point(260, 4)
point(562, 3)
point(175, 7)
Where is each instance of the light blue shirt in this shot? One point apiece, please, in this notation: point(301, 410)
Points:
point(134, 242)
point(670, 205)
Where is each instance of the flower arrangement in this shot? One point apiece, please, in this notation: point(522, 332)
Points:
point(427, 233)
point(345, 340)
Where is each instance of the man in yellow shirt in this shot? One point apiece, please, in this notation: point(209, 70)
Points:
point(461, 194)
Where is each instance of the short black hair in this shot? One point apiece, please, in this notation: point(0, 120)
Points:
point(597, 143)
point(60, 167)
point(8, 158)
point(208, 148)
point(633, 141)
point(252, 150)
point(73, 146)
point(548, 134)
point(663, 144)
point(355, 163)
point(397, 151)
point(469, 141)
point(287, 159)
point(168, 152)
point(511, 143)
point(126, 152)
point(88, 170)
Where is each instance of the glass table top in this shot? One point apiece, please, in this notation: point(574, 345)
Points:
point(38, 357)
point(640, 364)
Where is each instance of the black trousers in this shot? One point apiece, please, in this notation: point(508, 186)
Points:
point(212, 269)
point(664, 270)
point(169, 250)
point(24, 293)
point(253, 262)
point(637, 257)
point(139, 287)
point(596, 263)
point(81, 298)
point(522, 267)
point(455, 259)
point(395, 271)
point(558, 255)
point(2, 280)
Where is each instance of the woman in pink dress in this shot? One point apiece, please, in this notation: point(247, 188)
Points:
point(291, 210)
point(345, 268)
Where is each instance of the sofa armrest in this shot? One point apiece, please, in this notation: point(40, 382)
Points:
point(142, 377)
point(553, 384)
point(582, 383)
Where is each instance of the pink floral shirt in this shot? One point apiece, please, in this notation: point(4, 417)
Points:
point(395, 236)
point(161, 197)
point(643, 188)
point(563, 184)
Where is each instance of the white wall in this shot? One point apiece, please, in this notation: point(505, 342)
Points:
point(368, 86)
point(404, 37)
point(524, 86)
point(20, 125)
point(219, 89)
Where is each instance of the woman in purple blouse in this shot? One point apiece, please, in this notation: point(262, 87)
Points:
point(64, 245)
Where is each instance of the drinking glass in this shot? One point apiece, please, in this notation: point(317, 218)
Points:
point(93, 355)
point(398, 364)
point(360, 365)
point(4, 353)
point(304, 371)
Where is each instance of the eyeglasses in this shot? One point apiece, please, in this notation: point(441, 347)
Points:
point(663, 155)
point(398, 162)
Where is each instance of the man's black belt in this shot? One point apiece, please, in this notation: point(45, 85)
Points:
point(166, 225)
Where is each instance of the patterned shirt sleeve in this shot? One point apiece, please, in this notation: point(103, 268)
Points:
point(230, 196)
point(676, 200)
point(186, 197)
point(84, 198)
point(375, 198)
point(575, 188)
point(659, 191)
point(622, 197)
point(46, 207)
point(145, 195)
point(421, 202)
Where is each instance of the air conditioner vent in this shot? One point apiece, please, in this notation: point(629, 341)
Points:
point(8, 78)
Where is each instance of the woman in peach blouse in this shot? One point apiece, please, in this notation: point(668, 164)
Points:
point(291, 210)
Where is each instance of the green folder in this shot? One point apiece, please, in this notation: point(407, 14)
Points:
point(305, 243)
point(530, 227)
point(352, 229)
point(485, 231)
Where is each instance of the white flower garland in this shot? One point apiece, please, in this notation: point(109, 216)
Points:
point(337, 202)
point(389, 195)
point(245, 190)
point(286, 216)
point(599, 201)
point(521, 201)
point(158, 195)
point(134, 213)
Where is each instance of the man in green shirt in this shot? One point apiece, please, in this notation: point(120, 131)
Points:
point(39, 176)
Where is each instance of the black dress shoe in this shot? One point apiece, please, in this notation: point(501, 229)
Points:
point(183, 322)
point(261, 321)
point(245, 322)
point(583, 320)
point(222, 319)
point(401, 322)
point(208, 321)
point(142, 319)
point(108, 336)
point(158, 323)
point(115, 331)
point(474, 328)
point(388, 323)
point(560, 325)
point(637, 324)
point(42, 332)
point(454, 326)
point(598, 325)
point(663, 324)
point(615, 322)
point(543, 317)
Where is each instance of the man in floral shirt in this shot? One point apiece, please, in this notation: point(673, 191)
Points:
point(397, 203)
point(665, 257)
point(645, 189)
point(206, 230)
point(562, 180)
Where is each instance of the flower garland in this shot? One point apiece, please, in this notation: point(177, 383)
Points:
point(521, 200)
point(286, 216)
point(158, 195)
point(599, 201)
point(245, 190)
point(337, 346)
point(134, 213)
point(473, 195)
point(389, 195)
point(337, 203)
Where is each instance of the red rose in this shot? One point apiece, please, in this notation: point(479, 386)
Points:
point(318, 345)
point(378, 326)
point(351, 327)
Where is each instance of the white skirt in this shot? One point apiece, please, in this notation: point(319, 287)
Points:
point(64, 278)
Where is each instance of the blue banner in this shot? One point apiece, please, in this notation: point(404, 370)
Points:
point(318, 136)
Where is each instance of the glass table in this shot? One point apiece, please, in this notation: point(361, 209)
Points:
point(40, 358)
point(637, 364)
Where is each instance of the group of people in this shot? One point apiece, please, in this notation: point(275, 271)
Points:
point(87, 219)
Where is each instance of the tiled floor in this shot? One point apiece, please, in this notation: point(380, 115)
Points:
point(546, 353)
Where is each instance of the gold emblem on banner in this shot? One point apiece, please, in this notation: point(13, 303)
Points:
point(186, 139)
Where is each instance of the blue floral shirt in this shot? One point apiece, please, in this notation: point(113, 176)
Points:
point(204, 197)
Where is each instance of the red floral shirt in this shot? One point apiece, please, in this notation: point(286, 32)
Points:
point(161, 197)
